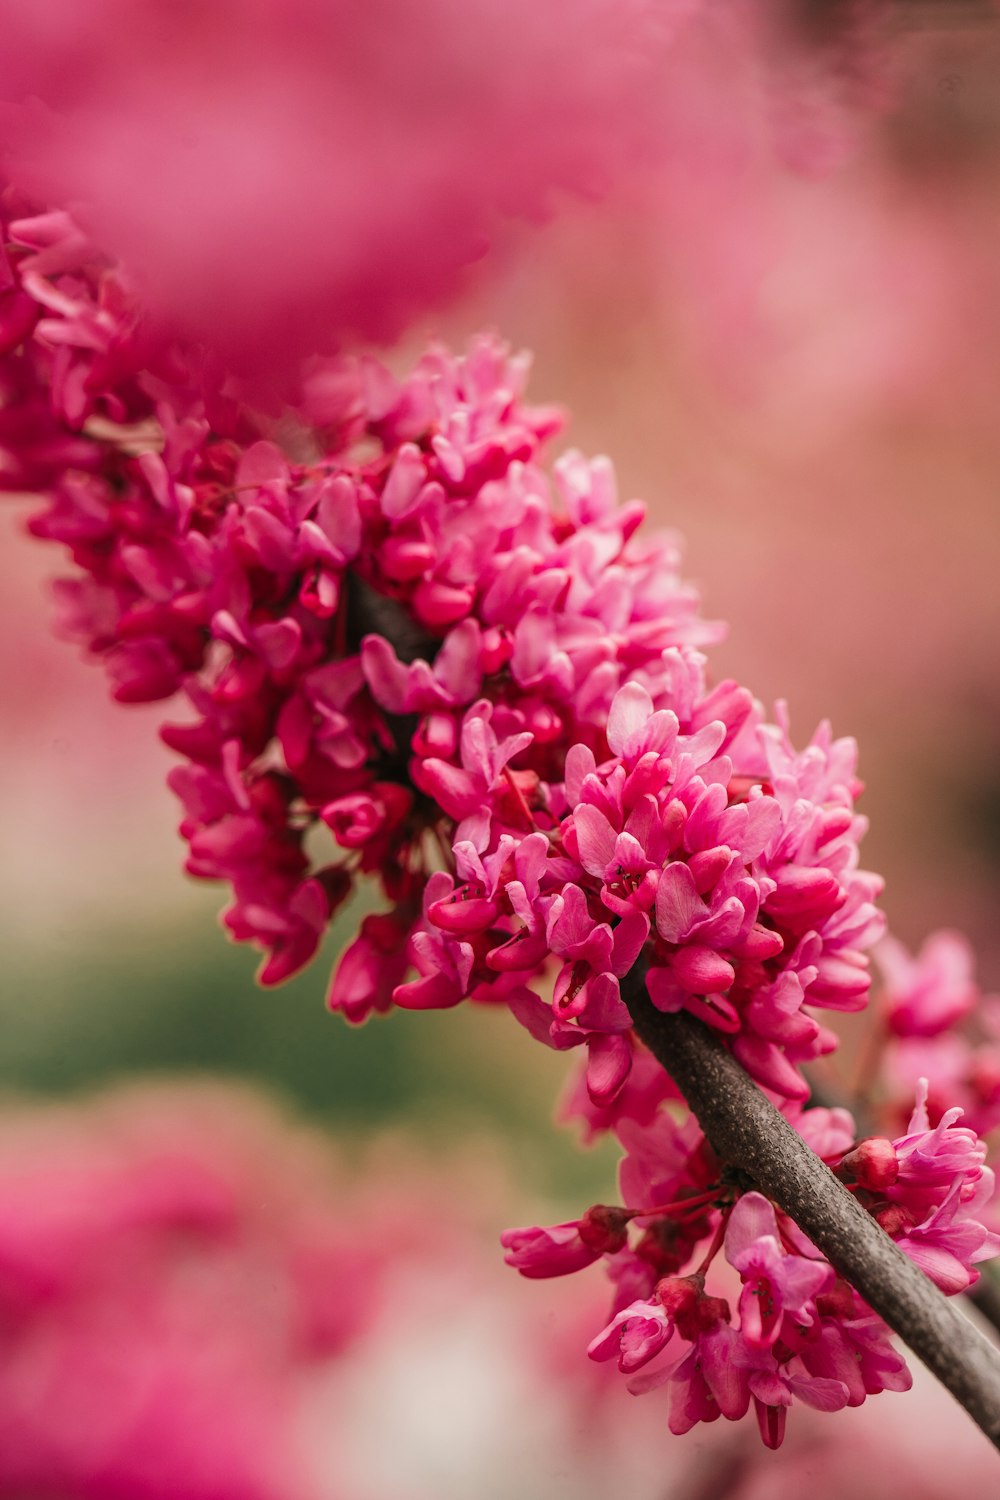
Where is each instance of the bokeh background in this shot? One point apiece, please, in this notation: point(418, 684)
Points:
point(787, 337)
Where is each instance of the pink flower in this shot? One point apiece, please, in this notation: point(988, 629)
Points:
point(929, 1160)
point(932, 1205)
point(948, 1242)
point(647, 1087)
point(708, 1382)
point(565, 1247)
point(467, 793)
point(775, 1386)
point(371, 968)
point(635, 1335)
point(444, 964)
point(663, 1159)
point(596, 958)
point(373, 182)
point(928, 994)
point(454, 678)
point(850, 1344)
point(263, 589)
point(175, 1273)
point(774, 1283)
point(759, 908)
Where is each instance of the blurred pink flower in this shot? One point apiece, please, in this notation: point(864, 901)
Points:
point(928, 994)
point(172, 1266)
point(279, 174)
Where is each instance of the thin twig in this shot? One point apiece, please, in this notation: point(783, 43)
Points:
point(745, 1129)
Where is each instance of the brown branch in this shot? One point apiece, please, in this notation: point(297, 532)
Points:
point(746, 1130)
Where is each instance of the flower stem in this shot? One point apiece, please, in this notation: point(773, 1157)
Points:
point(716, 1244)
point(680, 1205)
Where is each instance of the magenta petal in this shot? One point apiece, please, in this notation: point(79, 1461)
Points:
point(338, 516)
point(262, 464)
point(678, 904)
point(434, 992)
point(803, 1279)
point(279, 643)
point(406, 478)
point(630, 709)
point(629, 936)
point(724, 1377)
point(769, 1066)
point(460, 915)
point(533, 1014)
point(751, 1220)
point(604, 1009)
point(457, 663)
point(769, 1387)
point(579, 764)
point(608, 1066)
point(455, 790)
point(819, 1393)
point(651, 1380)
point(763, 822)
point(596, 838)
point(943, 1268)
point(664, 991)
point(539, 1253)
point(702, 971)
point(386, 675)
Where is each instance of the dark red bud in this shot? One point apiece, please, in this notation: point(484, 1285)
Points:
point(895, 1220)
point(683, 1300)
point(838, 1302)
point(605, 1229)
point(873, 1162)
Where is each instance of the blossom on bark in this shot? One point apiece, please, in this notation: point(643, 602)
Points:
point(937, 1196)
point(798, 1332)
point(407, 651)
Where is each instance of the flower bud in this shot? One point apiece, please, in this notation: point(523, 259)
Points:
point(873, 1162)
point(605, 1229)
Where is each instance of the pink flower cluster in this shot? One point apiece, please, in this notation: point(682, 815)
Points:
point(265, 588)
point(407, 651)
point(409, 631)
point(703, 845)
point(799, 1333)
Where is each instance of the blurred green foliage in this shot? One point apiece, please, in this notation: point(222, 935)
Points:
point(80, 1011)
